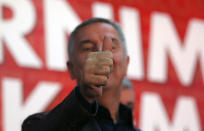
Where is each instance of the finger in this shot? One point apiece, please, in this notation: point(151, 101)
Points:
point(96, 79)
point(104, 61)
point(98, 69)
point(100, 54)
point(93, 64)
point(107, 44)
point(103, 70)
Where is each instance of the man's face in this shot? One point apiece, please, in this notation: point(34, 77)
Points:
point(90, 39)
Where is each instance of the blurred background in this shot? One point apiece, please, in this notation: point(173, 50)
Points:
point(165, 41)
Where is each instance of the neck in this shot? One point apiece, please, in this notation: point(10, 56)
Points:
point(111, 100)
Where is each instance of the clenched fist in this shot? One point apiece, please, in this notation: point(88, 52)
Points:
point(97, 69)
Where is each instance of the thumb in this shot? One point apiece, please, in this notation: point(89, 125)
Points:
point(107, 44)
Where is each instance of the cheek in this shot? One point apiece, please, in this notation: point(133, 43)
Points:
point(118, 58)
point(81, 60)
point(120, 64)
point(78, 65)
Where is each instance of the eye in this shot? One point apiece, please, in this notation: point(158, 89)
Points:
point(87, 47)
point(113, 47)
point(115, 44)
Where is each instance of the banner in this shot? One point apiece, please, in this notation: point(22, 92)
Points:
point(165, 42)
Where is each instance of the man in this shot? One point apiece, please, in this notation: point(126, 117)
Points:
point(127, 94)
point(98, 62)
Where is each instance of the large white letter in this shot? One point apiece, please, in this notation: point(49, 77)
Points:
point(130, 22)
point(14, 111)
point(102, 10)
point(129, 19)
point(165, 40)
point(60, 19)
point(14, 30)
point(154, 116)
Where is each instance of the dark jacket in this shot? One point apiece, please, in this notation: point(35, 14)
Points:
point(72, 115)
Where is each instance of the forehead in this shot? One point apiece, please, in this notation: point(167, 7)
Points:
point(96, 30)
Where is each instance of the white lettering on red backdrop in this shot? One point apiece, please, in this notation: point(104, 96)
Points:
point(60, 18)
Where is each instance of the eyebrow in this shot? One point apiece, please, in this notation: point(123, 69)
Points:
point(115, 39)
point(86, 41)
point(89, 41)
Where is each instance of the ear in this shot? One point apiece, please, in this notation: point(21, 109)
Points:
point(127, 63)
point(70, 69)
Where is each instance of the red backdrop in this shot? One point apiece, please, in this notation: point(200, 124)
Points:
point(169, 91)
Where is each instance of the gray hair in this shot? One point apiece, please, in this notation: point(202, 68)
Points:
point(91, 21)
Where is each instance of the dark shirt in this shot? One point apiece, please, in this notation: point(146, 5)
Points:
point(76, 114)
point(124, 123)
point(104, 119)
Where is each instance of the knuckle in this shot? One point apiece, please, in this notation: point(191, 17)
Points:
point(106, 69)
point(91, 61)
point(108, 54)
point(91, 54)
point(103, 70)
point(102, 80)
point(105, 61)
point(110, 62)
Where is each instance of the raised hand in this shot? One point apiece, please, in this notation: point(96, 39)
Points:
point(97, 69)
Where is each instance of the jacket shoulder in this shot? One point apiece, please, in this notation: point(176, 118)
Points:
point(28, 122)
